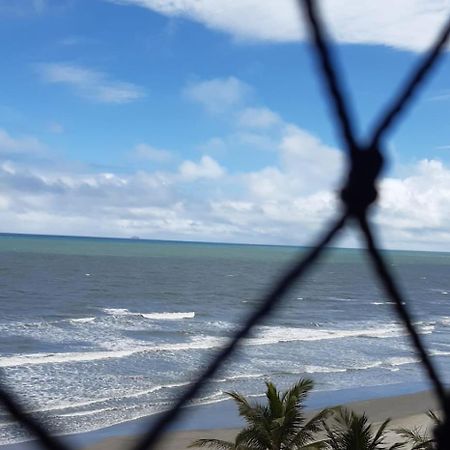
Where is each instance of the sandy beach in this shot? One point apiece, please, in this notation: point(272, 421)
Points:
point(404, 410)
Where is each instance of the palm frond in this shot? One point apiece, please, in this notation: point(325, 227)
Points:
point(304, 435)
point(414, 435)
point(298, 392)
point(397, 445)
point(275, 403)
point(254, 439)
point(379, 436)
point(278, 424)
point(251, 413)
point(214, 443)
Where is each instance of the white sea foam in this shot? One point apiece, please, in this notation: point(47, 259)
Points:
point(385, 303)
point(265, 335)
point(273, 335)
point(117, 311)
point(369, 365)
point(169, 315)
point(55, 358)
point(340, 299)
point(205, 342)
point(238, 377)
point(321, 369)
point(439, 353)
point(72, 404)
point(402, 360)
point(83, 319)
point(152, 389)
point(153, 315)
point(84, 413)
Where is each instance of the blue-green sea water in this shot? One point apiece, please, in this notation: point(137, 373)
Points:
point(95, 332)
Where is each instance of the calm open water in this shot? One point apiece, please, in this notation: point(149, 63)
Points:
point(95, 332)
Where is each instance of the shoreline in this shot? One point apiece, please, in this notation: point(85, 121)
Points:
point(399, 402)
point(405, 411)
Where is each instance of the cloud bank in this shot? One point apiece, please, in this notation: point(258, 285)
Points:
point(404, 24)
point(284, 202)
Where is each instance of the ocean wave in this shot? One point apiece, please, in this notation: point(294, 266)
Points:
point(265, 335)
point(366, 366)
point(274, 335)
point(209, 399)
point(154, 315)
point(84, 413)
point(439, 353)
point(82, 320)
point(117, 311)
point(247, 376)
point(199, 343)
point(340, 299)
point(402, 360)
point(169, 315)
point(385, 303)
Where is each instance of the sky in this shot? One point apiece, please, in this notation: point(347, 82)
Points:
point(206, 120)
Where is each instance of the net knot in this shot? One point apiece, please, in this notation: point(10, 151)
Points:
point(360, 191)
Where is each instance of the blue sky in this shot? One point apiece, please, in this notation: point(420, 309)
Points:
point(205, 120)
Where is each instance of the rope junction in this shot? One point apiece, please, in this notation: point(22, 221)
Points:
point(366, 161)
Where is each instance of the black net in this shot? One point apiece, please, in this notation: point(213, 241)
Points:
point(359, 193)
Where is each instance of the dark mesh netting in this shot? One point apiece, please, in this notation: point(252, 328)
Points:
point(365, 162)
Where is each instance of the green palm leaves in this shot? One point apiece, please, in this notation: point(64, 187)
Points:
point(352, 431)
point(420, 438)
point(278, 425)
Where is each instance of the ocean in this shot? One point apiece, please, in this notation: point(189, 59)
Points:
point(96, 332)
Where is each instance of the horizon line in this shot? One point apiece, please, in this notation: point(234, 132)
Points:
point(135, 238)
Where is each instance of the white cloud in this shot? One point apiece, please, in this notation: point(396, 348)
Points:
point(258, 118)
point(217, 95)
point(305, 155)
point(91, 84)
point(17, 145)
point(420, 201)
point(287, 201)
point(256, 140)
point(207, 167)
point(150, 153)
point(405, 24)
point(214, 145)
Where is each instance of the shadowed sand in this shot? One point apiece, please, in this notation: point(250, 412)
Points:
point(405, 411)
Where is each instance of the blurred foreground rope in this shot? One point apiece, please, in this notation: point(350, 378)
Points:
point(365, 162)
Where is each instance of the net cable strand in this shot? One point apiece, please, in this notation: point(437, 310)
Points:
point(400, 306)
point(14, 408)
point(409, 89)
point(312, 16)
point(268, 304)
point(345, 123)
point(330, 75)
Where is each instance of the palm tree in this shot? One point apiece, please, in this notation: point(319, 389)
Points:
point(419, 438)
point(278, 425)
point(352, 431)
